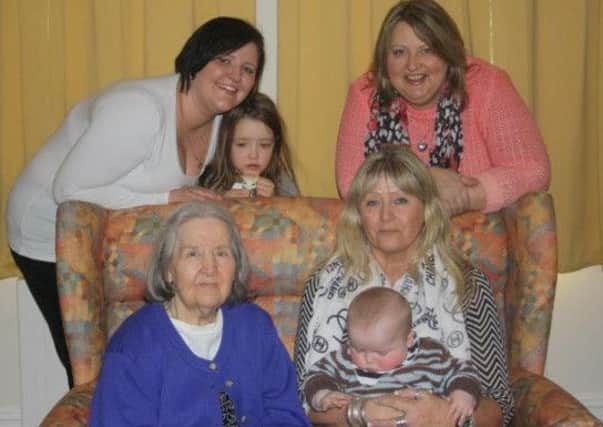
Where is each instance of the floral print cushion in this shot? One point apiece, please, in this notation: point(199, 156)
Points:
point(530, 290)
point(102, 258)
point(103, 254)
point(284, 310)
point(482, 240)
point(284, 240)
point(539, 402)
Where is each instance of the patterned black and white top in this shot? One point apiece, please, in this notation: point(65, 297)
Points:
point(321, 310)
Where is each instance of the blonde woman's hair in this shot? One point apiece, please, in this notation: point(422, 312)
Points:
point(434, 27)
point(406, 171)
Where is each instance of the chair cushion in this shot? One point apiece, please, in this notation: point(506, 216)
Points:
point(284, 239)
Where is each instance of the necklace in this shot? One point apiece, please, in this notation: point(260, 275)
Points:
point(195, 156)
point(188, 149)
point(424, 140)
point(191, 143)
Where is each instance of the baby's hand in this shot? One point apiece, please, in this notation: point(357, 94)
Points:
point(265, 187)
point(324, 400)
point(462, 405)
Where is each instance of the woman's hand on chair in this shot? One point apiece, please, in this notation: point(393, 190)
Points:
point(187, 194)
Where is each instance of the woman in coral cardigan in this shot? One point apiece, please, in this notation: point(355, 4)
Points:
point(459, 114)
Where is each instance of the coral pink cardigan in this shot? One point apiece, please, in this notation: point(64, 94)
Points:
point(503, 147)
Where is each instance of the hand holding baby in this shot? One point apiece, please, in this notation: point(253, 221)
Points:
point(325, 399)
point(462, 406)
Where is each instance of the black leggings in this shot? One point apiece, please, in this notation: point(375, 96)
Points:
point(41, 279)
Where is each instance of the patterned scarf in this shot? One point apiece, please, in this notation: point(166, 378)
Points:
point(229, 414)
point(388, 126)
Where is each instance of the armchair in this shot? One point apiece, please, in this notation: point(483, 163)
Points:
point(101, 256)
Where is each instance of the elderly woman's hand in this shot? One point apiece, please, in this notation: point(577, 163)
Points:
point(417, 408)
point(458, 193)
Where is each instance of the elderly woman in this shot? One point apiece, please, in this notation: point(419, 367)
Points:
point(199, 354)
point(394, 232)
point(134, 143)
point(459, 114)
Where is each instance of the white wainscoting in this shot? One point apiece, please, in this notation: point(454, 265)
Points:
point(32, 378)
point(10, 416)
point(43, 378)
point(10, 389)
point(593, 401)
point(575, 354)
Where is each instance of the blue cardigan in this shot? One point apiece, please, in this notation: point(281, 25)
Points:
point(151, 378)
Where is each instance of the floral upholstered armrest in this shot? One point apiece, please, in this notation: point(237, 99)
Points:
point(80, 231)
point(73, 410)
point(541, 402)
point(530, 290)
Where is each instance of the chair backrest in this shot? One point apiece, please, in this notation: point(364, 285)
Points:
point(102, 256)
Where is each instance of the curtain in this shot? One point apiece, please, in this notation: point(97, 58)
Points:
point(551, 49)
point(54, 53)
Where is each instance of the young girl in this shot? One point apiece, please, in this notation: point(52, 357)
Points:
point(252, 156)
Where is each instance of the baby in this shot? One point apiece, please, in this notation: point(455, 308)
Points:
point(383, 355)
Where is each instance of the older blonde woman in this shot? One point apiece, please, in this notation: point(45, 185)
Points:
point(394, 232)
point(199, 354)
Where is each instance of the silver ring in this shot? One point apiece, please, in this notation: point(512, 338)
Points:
point(400, 421)
point(253, 193)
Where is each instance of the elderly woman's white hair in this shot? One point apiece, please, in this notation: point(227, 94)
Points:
point(161, 290)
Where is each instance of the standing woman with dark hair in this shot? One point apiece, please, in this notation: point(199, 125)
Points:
point(461, 115)
point(134, 143)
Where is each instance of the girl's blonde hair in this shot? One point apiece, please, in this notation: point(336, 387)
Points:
point(402, 167)
point(221, 174)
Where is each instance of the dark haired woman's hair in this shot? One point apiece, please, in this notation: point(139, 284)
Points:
point(434, 26)
point(221, 174)
point(216, 37)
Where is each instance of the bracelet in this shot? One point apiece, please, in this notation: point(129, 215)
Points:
point(469, 421)
point(363, 413)
point(355, 413)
